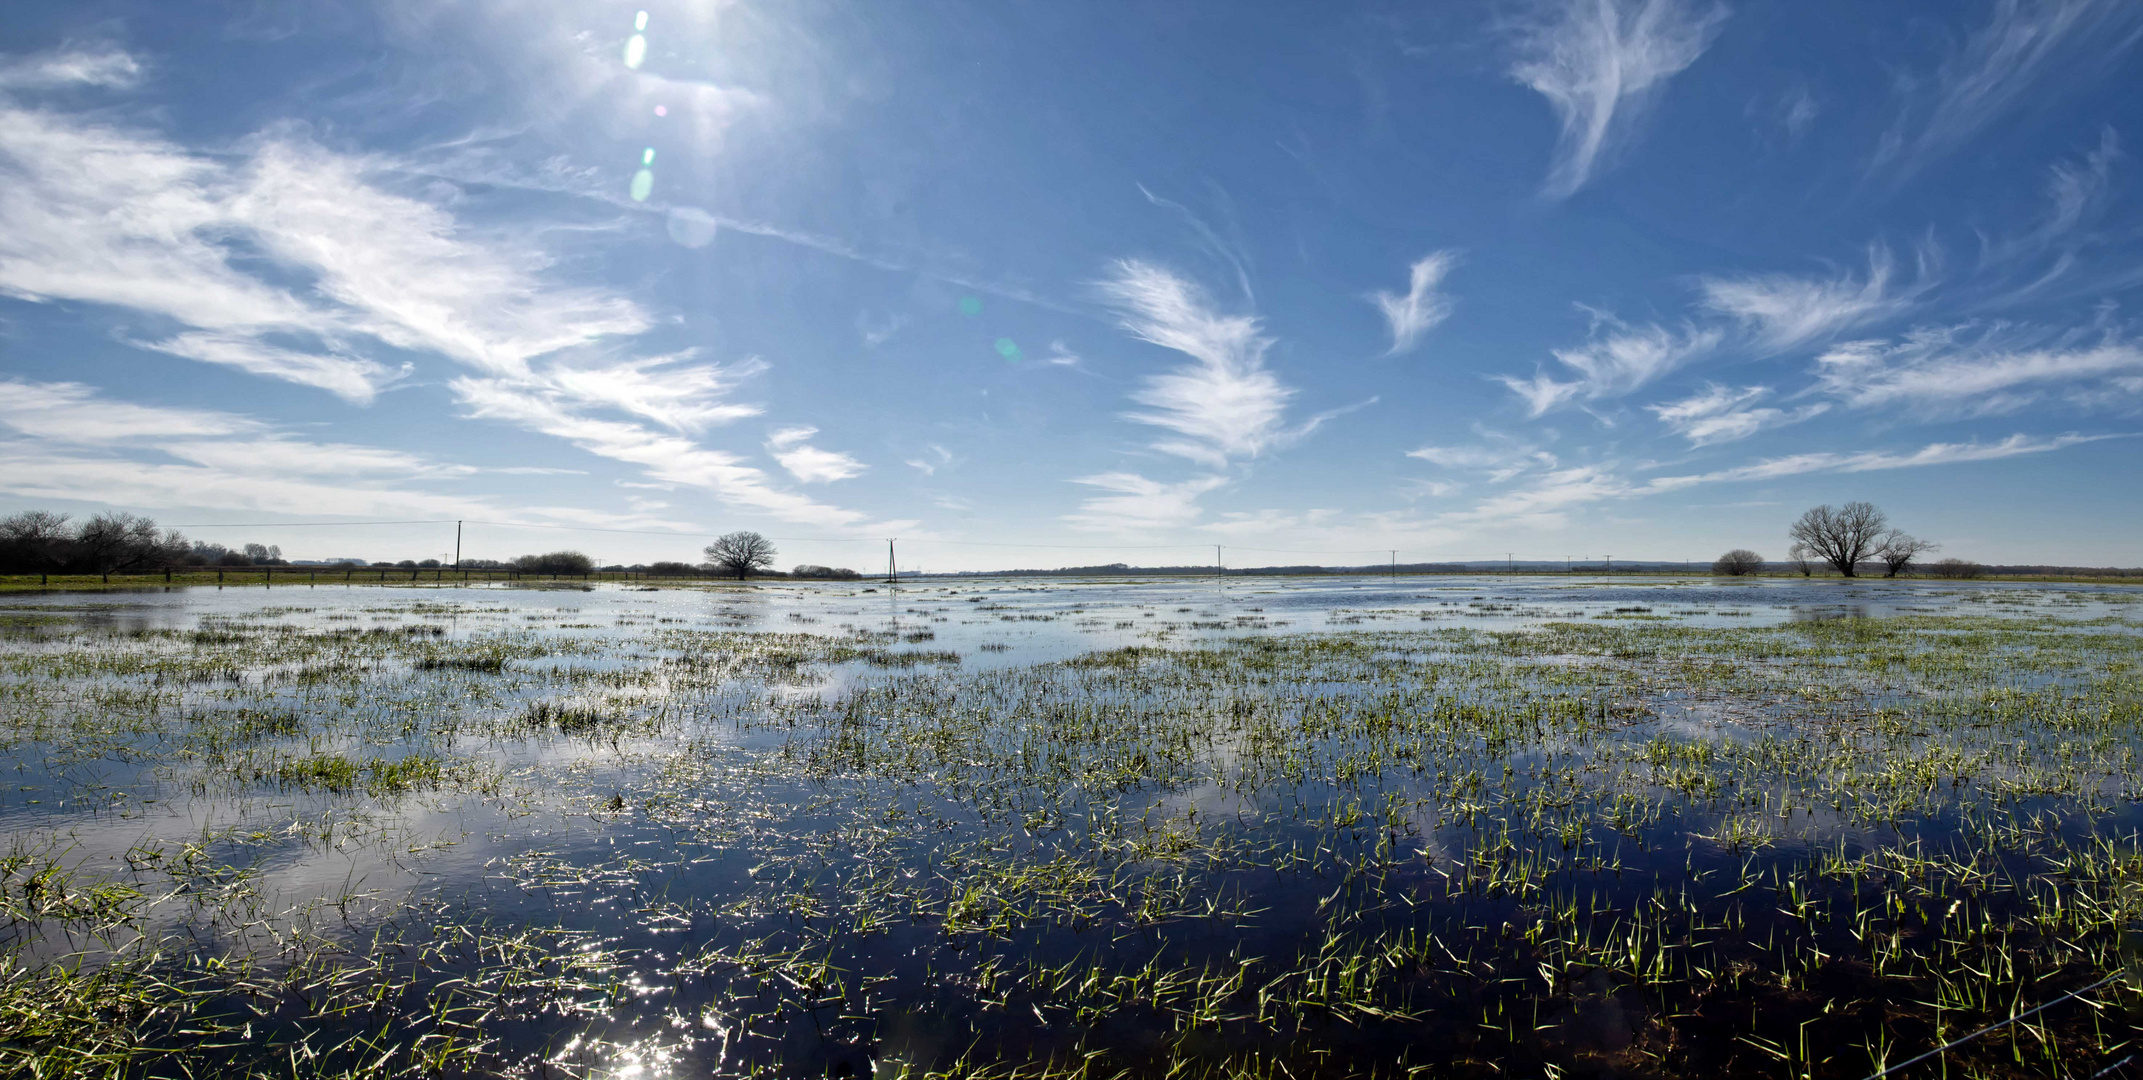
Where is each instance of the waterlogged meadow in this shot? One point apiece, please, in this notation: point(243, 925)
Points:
point(1449, 827)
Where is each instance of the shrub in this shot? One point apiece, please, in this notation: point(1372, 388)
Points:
point(1956, 568)
point(1737, 563)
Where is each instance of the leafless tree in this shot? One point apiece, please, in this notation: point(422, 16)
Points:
point(1957, 568)
point(1738, 562)
point(1898, 549)
point(1798, 556)
point(34, 540)
point(741, 553)
point(110, 542)
point(1844, 537)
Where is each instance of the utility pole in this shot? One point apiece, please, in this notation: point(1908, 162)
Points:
point(1610, 564)
point(1510, 563)
point(892, 569)
point(1218, 572)
point(1566, 564)
point(457, 545)
point(1395, 566)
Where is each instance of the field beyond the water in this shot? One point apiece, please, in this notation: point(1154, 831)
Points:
point(1477, 827)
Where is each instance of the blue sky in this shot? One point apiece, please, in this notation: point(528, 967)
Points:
point(1033, 284)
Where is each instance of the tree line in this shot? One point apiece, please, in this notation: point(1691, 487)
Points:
point(1848, 539)
point(43, 542)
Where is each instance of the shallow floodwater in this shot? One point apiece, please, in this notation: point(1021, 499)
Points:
point(855, 829)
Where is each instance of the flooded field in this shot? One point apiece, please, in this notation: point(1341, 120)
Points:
point(1267, 828)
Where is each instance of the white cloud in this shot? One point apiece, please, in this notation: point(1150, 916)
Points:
point(1877, 460)
point(71, 65)
point(1786, 310)
point(2077, 192)
point(81, 445)
point(665, 456)
point(936, 457)
point(1612, 364)
point(2024, 41)
point(664, 389)
point(74, 413)
point(97, 213)
point(1139, 504)
point(1936, 371)
point(809, 464)
point(1499, 457)
point(1262, 523)
point(1601, 64)
point(1797, 112)
point(1718, 414)
point(1061, 354)
point(1417, 312)
point(1542, 503)
point(1224, 406)
point(352, 378)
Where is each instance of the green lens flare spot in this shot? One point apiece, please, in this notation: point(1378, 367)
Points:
point(970, 306)
point(647, 157)
point(1007, 349)
point(639, 21)
point(643, 182)
point(635, 51)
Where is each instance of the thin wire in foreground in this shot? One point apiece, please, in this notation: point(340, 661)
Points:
point(1954, 1043)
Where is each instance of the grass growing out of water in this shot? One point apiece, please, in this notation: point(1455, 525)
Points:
point(1621, 846)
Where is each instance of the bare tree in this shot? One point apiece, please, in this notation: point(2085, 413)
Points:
point(1738, 562)
point(741, 553)
point(1957, 568)
point(112, 542)
point(1845, 537)
point(1899, 549)
point(34, 540)
point(1798, 556)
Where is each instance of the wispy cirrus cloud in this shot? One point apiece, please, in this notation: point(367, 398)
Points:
point(1497, 456)
point(2023, 43)
point(664, 456)
point(1224, 405)
point(1619, 358)
point(68, 441)
point(1956, 370)
point(1718, 414)
point(2077, 191)
point(1422, 307)
point(1601, 64)
point(1138, 504)
point(1544, 501)
point(1941, 453)
point(807, 463)
point(100, 64)
point(1782, 311)
point(286, 259)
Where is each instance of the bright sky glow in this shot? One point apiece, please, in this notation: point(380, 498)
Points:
point(1039, 284)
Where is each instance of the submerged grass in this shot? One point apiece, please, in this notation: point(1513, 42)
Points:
point(1626, 846)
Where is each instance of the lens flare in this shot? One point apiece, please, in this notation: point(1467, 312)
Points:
point(662, 110)
point(647, 156)
point(643, 182)
point(1008, 349)
point(970, 306)
point(639, 21)
point(635, 51)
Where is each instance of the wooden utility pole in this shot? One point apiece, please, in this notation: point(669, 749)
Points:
point(1395, 566)
point(892, 569)
point(457, 545)
point(1218, 572)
